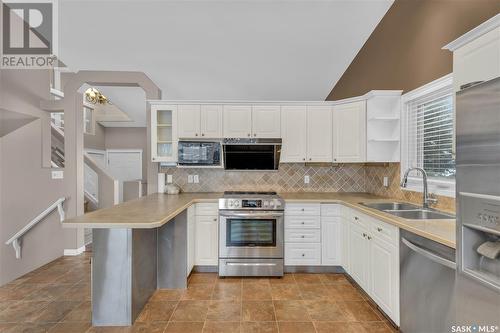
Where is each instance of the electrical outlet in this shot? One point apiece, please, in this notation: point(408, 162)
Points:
point(386, 181)
point(306, 179)
point(57, 174)
point(190, 179)
point(170, 179)
point(196, 179)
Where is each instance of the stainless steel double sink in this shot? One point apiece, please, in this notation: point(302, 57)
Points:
point(408, 211)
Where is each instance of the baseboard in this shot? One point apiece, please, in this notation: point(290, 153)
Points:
point(313, 269)
point(205, 269)
point(74, 252)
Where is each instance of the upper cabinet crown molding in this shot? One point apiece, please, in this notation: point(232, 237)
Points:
point(475, 33)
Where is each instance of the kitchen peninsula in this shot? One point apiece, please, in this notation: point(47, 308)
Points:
point(141, 245)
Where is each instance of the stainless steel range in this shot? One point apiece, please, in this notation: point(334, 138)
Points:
point(251, 233)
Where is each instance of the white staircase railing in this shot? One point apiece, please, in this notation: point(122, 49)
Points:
point(15, 240)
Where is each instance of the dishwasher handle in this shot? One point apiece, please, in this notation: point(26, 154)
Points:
point(429, 255)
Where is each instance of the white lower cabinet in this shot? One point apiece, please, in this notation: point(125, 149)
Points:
point(206, 235)
point(302, 235)
point(303, 254)
point(359, 255)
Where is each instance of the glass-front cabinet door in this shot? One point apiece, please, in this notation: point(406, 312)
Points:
point(163, 133)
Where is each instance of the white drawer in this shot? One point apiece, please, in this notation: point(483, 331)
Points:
point(359, 218)
point(207, 209)
point(302, 222)
point(331, 210)
point(384, 231)
point(303, 235)
point(302, 254)
point(302, 209)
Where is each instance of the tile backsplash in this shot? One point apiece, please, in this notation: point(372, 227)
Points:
point(290, 178)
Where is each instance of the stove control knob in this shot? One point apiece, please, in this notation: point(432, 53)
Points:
point(277, 203)
point(236, 203)
point(266, 203)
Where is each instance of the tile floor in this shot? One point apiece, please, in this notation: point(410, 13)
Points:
point(56, 298)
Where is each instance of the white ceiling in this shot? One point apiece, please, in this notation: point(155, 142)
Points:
point(218, 50)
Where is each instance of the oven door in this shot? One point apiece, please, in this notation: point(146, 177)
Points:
point(245, 234)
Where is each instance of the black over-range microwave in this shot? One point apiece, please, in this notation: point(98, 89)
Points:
point(251, 154)
point(200, 154)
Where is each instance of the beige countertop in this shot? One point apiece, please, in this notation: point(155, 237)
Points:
point(157, 209)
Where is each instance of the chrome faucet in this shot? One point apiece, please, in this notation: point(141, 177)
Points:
point(426, 197)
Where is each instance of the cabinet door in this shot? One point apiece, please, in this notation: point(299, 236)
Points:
point(359, 255)
point(164, 133)
point(293, 130)
point(266, 121)
point(191, 221)
point(344, 256)
point(384, 277)
point(206, 240)
point(188, 121)
point(211, 121)
point(319, 134)
point(349, 132)
point(478, 60)
point(330, 240)
point(237, 121)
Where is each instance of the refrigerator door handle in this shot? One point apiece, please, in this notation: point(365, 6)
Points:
point(429, 255)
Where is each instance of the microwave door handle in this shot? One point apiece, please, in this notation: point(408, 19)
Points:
point(429, 255)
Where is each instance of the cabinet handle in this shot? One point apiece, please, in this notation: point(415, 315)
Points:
point(302, 209)
point(356, 218)
point(303, 254)
point(255, 134)
point(369, 237)
point(303, 159)
point(303, 222)
point(364, 235)
point(248, 134)
point(303, 236)
point(196, 134)
point(335, 159)
point(309, 159)
point(379, 229)
point(215, 220)
point(202, 134)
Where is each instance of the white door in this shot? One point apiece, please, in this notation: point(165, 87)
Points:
point(293, 130)
point(359, 255)
point(266, 121)
point(206, 240)
point(384, 275)
point(124, 165)
point(331, 230)
point(188, 121)
point(319, 134)
point(237, 121)
point(349, 132)
point(211, 121)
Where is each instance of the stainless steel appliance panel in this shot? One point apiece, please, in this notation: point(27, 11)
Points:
point(250, 267)
point(251, 154)
point(478, 202)
point(427, 275)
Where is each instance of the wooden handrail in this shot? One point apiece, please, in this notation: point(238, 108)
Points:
point(14, 240)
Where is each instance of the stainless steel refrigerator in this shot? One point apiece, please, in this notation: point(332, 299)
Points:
point(477, 282)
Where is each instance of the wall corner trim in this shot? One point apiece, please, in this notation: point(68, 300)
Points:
point(478, 31)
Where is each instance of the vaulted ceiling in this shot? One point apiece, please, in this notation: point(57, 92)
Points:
point(230, 50)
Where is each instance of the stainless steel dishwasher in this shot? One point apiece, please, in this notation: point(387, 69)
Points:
point(427, 277)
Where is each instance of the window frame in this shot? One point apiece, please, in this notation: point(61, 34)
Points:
point(437, 186)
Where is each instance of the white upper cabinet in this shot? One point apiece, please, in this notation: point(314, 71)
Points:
point(211, 121)
point(266, 121)
point(188, 121)
point(349, 132)
point(293, 131)
point(199, 121)
point(237, 121)
point(476, 55)
point(319, 134)
point(163, 133)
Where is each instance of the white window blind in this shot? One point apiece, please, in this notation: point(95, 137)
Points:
point(428, 133)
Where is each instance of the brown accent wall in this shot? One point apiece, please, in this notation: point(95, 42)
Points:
point(404, 51)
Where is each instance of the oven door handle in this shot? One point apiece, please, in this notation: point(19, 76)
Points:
point(251, 215)
point(250, 264)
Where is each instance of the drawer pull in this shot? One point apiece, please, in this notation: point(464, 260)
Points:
point(303, 222)
point(303, 254)
point(379, 229)
point(215, 220)
point(303, 236)
point(302, 209)
point(369, 237)
point(356, 218)
point(364, 235)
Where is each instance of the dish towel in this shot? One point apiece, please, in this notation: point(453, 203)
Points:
point(489, 249)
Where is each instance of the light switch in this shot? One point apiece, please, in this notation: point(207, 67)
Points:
point(190, 179)
point(57, 174)
point(196, 179)
point(169, 179)
point(306, 179)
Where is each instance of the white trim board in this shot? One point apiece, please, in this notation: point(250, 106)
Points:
point(478, 31)
point(74, 252)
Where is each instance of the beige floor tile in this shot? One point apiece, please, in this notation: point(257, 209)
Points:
point(23, 311)
point(227, 291)
point(224, 311)
point(221, 327)
point(256, 291)
point(203, 278)
point(31, 328)
point(258, 311)
point(329, 278)
point(307, 278)
point(259, 327)
point(81, 313)
point(286, 279)
point(359, 311)
point(325, 310)
point(313, 291)
point(55, 311)
point(296, 327)
point(256, 280)
point(285, 291)
point(198, 292)
point(167, 295)
point(151, 327)
point(70, 327)
point(191, 311)
point(229, 279)
point(18, 292)
point(78, 292)
point(291, 311)
point(49, 292)
point(344, 292)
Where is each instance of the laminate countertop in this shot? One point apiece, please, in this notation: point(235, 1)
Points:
point(155, 210)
